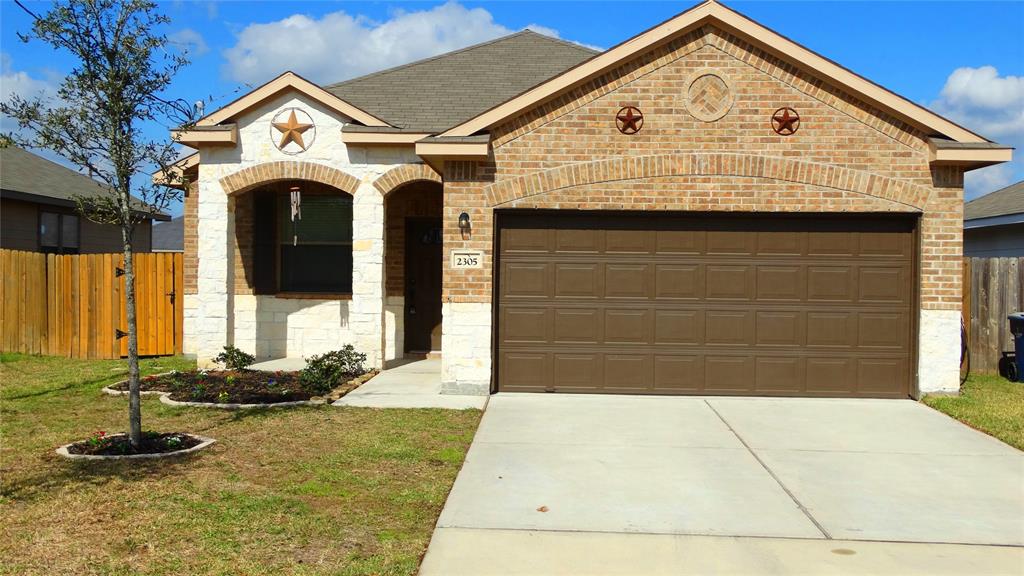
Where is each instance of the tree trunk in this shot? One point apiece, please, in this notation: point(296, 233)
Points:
point(134, 400)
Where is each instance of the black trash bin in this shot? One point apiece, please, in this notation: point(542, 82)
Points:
point(1017, 329)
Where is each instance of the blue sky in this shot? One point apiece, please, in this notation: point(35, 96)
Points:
point(963, 59)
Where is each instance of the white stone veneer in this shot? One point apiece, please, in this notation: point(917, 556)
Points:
point(938, 356)
point(211, 313)
point(394, 327)
point(272, 327)
point(466, 348)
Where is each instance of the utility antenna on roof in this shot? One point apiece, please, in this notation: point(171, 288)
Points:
point(199, 106)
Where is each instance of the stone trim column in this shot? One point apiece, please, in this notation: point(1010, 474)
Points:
point(366, 316)
point(215, 275)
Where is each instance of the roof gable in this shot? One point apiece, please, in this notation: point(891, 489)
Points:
point(711, 12)
point(434, 94)
point(285, 82)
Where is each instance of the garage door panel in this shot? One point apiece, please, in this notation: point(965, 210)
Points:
point(888, 285)
point(681, 374)
point(781, 283)
point(678, 281)
point(830, 375)
point(831, 329)
point(577, 372)
point(831, 244)
point(729, 282)
point(830, 284)
point(730, 242)
point(882, 330)
point(578, 280)
point(674, 327)
point(879, 375)
point(525, 241)
point(577, 326)
point(674, 242)
point(578, 241)
point(779, 243)
point(629, 242)
point(728, 327)
point(725, 374)
point(526, 371)
point(627, 372)
point(768, 305)
point(627, 281)
point(525, 280)
point(779, 328)
point(779, 374)
point(526, 325)
point(624, 326)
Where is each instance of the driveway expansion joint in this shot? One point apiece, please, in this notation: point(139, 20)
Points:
point(778, 480)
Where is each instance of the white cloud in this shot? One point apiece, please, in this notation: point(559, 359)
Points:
point(340, 45)
point(993, 106)
point(21, 83)
point(188, 40)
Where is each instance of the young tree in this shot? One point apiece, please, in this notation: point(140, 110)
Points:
point(96, 121)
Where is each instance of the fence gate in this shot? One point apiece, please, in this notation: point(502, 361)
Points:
point(74, 305)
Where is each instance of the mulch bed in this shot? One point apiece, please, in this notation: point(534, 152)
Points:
point(119, 445)
point(229, 386)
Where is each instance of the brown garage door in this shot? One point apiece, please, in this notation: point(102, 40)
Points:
point(704, 304)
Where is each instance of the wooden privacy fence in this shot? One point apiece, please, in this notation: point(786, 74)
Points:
point(74, 305)
point(993, 289)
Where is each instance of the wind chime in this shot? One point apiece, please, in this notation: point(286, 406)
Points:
point(296, 205)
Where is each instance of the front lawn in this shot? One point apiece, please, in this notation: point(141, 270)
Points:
point(989, 403)
point(320, 490)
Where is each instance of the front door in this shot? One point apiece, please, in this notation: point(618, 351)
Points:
point(422, 285)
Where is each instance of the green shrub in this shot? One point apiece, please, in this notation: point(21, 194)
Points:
point(325, 371)
point(234, 359)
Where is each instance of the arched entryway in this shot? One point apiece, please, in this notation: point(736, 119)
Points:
point(413, 255)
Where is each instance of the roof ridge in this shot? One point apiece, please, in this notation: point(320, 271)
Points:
point(565, 42)
point(39, 157)
point(523, 32)
point(427, 59)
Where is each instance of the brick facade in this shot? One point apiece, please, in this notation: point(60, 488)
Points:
point(416, 200)
point(845, 157)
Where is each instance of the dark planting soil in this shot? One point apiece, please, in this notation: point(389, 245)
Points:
point(152, 443)
point(229, 386)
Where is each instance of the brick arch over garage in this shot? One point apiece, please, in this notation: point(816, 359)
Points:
point(405, 174)
point(708, 164)
point(267, 172)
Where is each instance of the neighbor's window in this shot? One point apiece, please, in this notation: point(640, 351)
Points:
point(315, 252)
point(58, 233)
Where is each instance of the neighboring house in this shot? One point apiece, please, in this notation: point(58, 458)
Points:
point(169, 236)
point(707, 208)
point(994, 223)
point(37, 210)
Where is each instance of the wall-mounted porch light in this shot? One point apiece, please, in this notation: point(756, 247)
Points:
point(464, 224)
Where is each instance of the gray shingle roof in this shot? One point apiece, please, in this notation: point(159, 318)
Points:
point(169, 235)
point(435, 94)
point(30, 177)
point(1009, 200)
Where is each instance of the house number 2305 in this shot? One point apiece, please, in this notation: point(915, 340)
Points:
point(467, 259)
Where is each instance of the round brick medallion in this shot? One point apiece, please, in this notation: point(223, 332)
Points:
point(709, 96)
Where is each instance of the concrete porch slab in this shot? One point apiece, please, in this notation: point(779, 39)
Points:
point(415, 384)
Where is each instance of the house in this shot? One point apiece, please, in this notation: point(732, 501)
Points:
point(994, 223)
point(169, 236)
point(706, 208)
point(38, 213)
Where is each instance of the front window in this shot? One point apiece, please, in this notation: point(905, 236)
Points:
point(58, 233)
point(315, 251)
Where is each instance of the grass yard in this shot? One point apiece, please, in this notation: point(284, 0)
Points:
point(989, 403)
point(299, 491)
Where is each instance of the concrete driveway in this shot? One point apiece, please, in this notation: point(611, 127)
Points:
point(572, 484)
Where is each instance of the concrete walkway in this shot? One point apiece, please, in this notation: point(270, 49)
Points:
point(563, 484)
point(415, 384)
